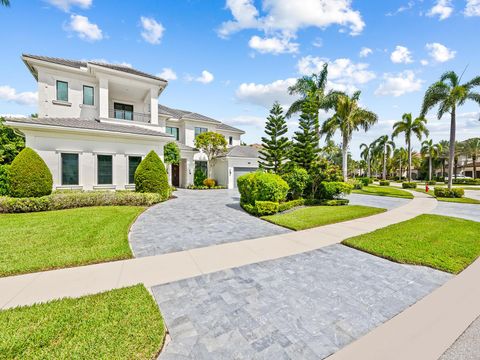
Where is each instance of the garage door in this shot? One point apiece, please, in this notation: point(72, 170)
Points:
point(239, 171)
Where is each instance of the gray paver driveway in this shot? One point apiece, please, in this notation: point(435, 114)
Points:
point(196, 219)
point(305, 306)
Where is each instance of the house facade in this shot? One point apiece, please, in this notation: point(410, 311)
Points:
point(97, 121)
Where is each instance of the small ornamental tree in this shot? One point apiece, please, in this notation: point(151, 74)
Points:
point(213, 145)
point(29, 176)
point(171, 153)
point(151, 176)
point(11, 143)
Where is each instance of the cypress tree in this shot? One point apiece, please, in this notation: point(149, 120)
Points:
point(275, 145)
point(305, 141)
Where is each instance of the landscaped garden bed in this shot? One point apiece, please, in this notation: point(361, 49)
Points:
point(118, 324)
point(450, 244)
point(56, 239)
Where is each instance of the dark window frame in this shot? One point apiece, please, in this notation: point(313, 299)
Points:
point(56, 89)
point(230, 140)
point(62, 168)
point(131, 176)
point(201, 130)
point(93, 95)
point(177, 135)
point(100, 180)
point(122, 108)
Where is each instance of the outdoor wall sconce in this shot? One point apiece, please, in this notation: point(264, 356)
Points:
point(230, 171)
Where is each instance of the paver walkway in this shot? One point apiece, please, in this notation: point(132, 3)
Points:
point(196, 219)
point(305, 306)
point(383, 202)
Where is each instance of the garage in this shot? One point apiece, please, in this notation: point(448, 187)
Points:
point(239, 171)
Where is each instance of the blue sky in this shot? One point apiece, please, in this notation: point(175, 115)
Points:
point(231, 59)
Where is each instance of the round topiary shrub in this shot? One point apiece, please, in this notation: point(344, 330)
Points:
point(210, 183)
point(151, 176)
point(29, 175)
point(261, 186)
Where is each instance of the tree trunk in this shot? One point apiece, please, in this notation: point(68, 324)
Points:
point(368, 166)
point(443, 169)
point(400, 176)
point(474, 159)
point(344, 158)
point(452, 148)
point(384, 175)
point(409, 162)
point(429, 168)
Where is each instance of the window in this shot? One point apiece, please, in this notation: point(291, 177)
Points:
point(133, 162)
point(230, 140)
point(104, 170)
point(69, 169)
point(202, 165)
point(123, 111)
point(87, 95)
point(200, 130)
point(62, 90)
point(175, 131)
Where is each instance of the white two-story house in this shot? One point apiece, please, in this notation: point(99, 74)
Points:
point(97, 121)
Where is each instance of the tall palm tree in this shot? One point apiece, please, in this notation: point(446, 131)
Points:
point(471, 148)
point(5, 2)
point(400, 157)
point(410, 127)
point(366, 154)
point(445, 144)
point(384, 146)
point(432, 151)
point(449, 94)
point(348, 117)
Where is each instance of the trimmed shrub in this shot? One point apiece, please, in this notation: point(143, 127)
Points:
point(384, 183)
point(445, 193)
point(4, 182)
point(251, 209)
point(409, 185)
point(203, 187)
point(74, 199)
point(151, 176)
point(261, 186)
point(431, 182)
point(466, 181)
point(198, 177)
point(209, 183)
point(333, 190)
point(297, 180)
point(266, 207)
point(334, 202)
point(365, 181)
point(29, 175)
point(290, 204)
point(357, 184)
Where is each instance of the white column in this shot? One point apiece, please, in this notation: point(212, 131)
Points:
point(103, 98)
point(154, 105)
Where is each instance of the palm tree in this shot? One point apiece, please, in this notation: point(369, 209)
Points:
point(449, 94)
point(366, 154)
point(471, 148)
point(410, 127)
point(432, 151)
point(5, 2)
point(445, 144)
point(384, 146)
point(400, 157)
point(348, 117)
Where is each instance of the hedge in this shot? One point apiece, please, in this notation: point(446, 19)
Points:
point(261, 186)
point(262, 208)
point(333, 202)
point(203, 187)
point(357, 184)
point(4, 182)
point(29, 175)
point(75, 199)
point(297, 180)
point(443, 192)
point(431, 182)
point(151, 176)
point(333, 190)
point(290, 204)
point(466, 181)
point(384, 183)
point(409, 185)
point(366, 181)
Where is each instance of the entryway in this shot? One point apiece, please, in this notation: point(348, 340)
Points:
point(176, 175)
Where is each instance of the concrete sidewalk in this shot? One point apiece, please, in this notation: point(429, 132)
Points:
point(154, 270)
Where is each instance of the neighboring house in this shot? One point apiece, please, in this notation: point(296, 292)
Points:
point(97, 121)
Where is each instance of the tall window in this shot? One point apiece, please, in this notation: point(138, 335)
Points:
point(104, 170)
point(200, 130)
point(133, 162)
point(69, 169)
point(175, 131)
point(62, 90)
point(87, 95)
point(123, 111)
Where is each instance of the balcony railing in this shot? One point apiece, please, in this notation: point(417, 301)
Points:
point(129, 115)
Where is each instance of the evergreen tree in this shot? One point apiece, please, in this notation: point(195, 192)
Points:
point(305, 146)
point(275, 146)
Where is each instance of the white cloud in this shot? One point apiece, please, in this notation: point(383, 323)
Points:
point(28, 98)
point(168, 74)
point(472, 8)
point(439, 52)
point(399, 84)
point(400, 55)
point(105, 61)
point(65, 5)
point(84, 28)
point(248, 120)
point(318, 42)
point(273, 45)
point(443, 9)
point(266, 94)
point(205, 78)
point(365, 51)
point(424, 62)
point(402, 8)
point(152, 30)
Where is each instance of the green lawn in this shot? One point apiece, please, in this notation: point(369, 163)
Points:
point(117, 324)
point(463, 200)
point(54, 239)
point(313, 216)
point(441, 242)
point(384, 191)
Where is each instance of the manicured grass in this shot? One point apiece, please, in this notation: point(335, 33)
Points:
point(462, 200)
point(383, 191)
point(54, 239)
point(117, 324)
point(440, 242)
point(313, 216)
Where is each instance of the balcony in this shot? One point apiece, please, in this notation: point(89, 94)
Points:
point(129, 115)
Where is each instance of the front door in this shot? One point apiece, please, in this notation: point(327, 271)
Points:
point(176, 175)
